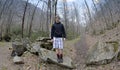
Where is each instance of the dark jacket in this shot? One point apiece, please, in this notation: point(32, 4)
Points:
point(58, 30)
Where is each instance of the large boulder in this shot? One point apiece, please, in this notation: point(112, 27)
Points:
point(50, 56)
point(102, 53)
point(18, 49)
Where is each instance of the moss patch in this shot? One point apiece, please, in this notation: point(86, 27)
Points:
point(106, 49)
point(4, 68)
point(2, 44)
point(115, 45)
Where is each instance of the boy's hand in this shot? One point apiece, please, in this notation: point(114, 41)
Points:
point(51, 40)
point(64, 39)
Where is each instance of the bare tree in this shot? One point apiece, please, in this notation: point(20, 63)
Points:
point(23, 18)
point(65, 14)
point(56, 7)
point(89, 14)
point(30, 28)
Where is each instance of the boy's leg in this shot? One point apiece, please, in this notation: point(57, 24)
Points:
point(58, 55)
point(55, 46)
point(61, 55)
point(57, 52)
point(61, 49)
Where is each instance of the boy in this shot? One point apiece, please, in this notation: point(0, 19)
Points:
point(57, 36)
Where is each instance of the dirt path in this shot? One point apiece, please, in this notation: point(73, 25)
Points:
point(5, 59)
point(81, 51)
point(82, 47)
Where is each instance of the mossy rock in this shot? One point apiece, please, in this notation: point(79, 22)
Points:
point(102, 53)
point(7, 38)
point(18, 48)
point(115, 45)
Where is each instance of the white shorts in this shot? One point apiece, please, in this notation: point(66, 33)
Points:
point(58, 43)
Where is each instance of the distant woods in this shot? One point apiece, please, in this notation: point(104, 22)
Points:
point(20, 18)
point(104, 15)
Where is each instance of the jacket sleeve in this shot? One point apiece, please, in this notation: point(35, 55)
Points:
point(52, 31)
point(64, 33)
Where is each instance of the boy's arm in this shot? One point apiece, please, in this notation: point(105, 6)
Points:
point(64, 33)
point(52, 32)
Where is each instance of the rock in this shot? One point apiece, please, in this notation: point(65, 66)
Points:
point(102, 53)
point(36, 46)
point(18, 60)
point(28, 68)
point(13, 53)
point(45, 42)
point(43, 39)
point(46, 45)
point(33, 51)
point(0, 36)
point(26, 43)
point(7, 37)
point(17, 39)
point(33, 48)
point(18, 48)
point(50, 56)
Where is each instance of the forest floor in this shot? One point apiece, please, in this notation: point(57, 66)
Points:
point(31, 61)
point(76, 49)
point(82, 47)
point(5, 58)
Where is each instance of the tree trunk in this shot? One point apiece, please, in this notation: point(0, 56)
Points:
point(30, 28)
point(23, 18)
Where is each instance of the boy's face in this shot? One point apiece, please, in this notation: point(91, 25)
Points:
point(57, 19)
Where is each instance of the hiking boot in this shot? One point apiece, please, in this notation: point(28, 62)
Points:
point(58, 60)
point(61, 60)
